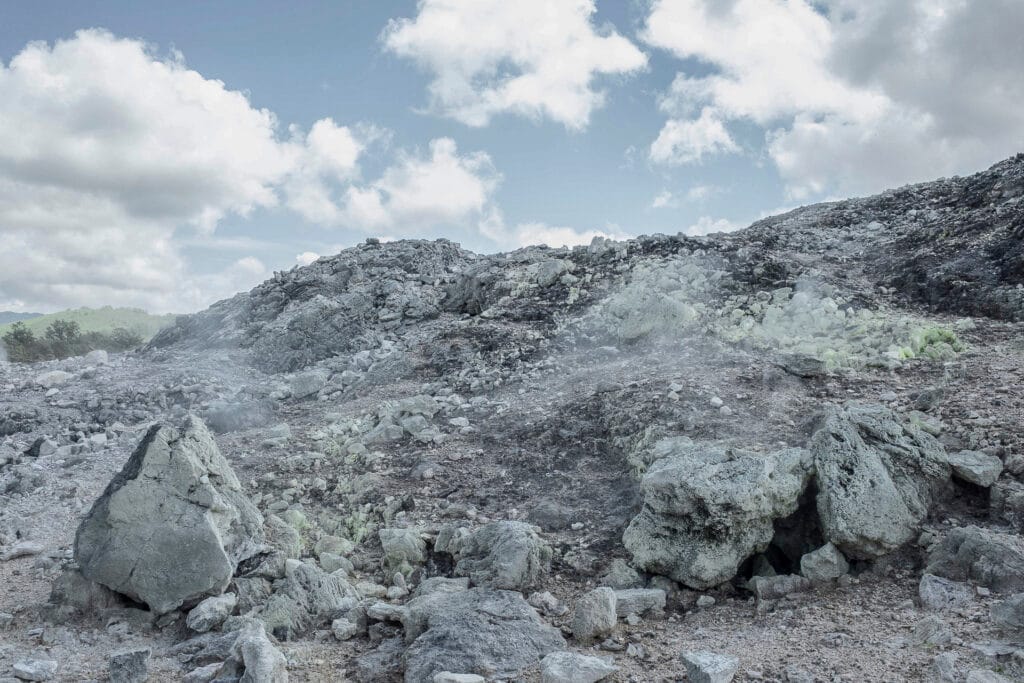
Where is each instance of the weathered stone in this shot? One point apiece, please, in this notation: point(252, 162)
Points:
point(35, 669)
point(404, 549)
point(944, 667)
point(131, 666)
point(1009, 614)
point(621, 575)
point(449, 677)
point(304, 599)
point(990, 558)
point(503, 555)
point(571, 667)
point(876, 478)
point(976, 468)
point(54, 378)
point(937, 593)
point(594, 616)
point(931, 631)
point(639, 601)
point(308, 383)
point(775, 587)
point(824, 564)
point(710, 667)
point(986, 676)
point(495, 633)
point(262, 661)
point(211, 612)
point(343, 629)
point(707, 509)
point(171, 528)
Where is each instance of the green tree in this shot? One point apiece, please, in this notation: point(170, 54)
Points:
point(22, 346)
point(65, 338)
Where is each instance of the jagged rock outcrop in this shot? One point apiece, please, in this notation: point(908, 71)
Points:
point(876, 477)
point(172, 526)
point(991, 558)
point(707, 509)
point(505, 555)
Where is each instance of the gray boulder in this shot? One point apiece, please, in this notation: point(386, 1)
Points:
point(707, 509)
point(824, 564)
point(877, 478)
point(571, 667)
point(130, 666)
point(594, 616)
point(172, 526)
point(639, 601)
point(503, 555)
point(258, 657)
point(977, 468)
point(990, 558)
point(310, 382)
point(492, 633)
point(403, 550)
point(211, 612)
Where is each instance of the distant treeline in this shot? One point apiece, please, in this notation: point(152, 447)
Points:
point(63, 339)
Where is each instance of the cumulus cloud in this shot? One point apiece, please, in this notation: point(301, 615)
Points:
point(683, 142)
point(664, 200)
point(852, 96)
point(306, 257)
point(416, 196)
point(533, 58)
point(706, 225)
point(105, 151)
point(529, 234)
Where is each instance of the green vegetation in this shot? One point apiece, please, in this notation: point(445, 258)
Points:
point(63, 339)
point(102, 320)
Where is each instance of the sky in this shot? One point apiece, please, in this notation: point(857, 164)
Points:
point(167, 155)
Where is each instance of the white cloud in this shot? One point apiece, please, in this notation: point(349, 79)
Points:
point(534, 58)
point(306, 257)
point(706, 225)
point(683, 142)
point(416, 196)
point(855, 96)
point(529, 234)
point(664, 200)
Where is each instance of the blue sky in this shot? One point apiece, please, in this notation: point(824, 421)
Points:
point(681, 116)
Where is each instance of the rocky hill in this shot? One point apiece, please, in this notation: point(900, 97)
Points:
point(792, 453)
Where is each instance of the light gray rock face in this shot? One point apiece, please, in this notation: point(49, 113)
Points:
point(876, 478)
point(976, 468)
point(1009, 614)
point(937, 593)
point(990, 558)
point(259, 657)
point(172, 526)
point(54, 378)
point(503, 555)
point(706, 510)
point(475, 631)
point(571, 667)
point(710, 667)
point(825, 563)
point(594, 616)
point(306, 598)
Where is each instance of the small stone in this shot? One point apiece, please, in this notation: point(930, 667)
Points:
point(775, 587)
point(716, 402)
point(932, 631)
point(710, 667)
point(639, 601)
point(131, 666)
point(594, 616)
point(203, 674)
point(571, 667)
point(705, 601)
point(824, 564)
point(35, 669)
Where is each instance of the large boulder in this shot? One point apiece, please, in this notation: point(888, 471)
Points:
point(990, 558)
point(492, 633)
point(877, 478)
point(172, 526)
point(707, 509)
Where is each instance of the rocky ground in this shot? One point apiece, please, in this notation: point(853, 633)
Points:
point(793, 453)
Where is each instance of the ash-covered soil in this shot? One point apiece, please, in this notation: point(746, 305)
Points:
point(384, 408)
